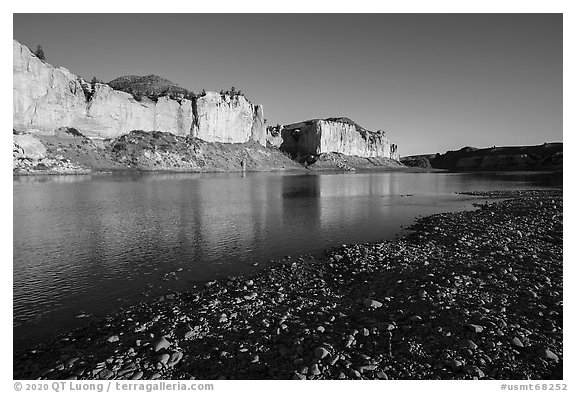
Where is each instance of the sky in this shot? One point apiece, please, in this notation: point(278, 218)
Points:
point(433, 82)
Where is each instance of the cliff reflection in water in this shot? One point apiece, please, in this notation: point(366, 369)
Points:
point(87, 244)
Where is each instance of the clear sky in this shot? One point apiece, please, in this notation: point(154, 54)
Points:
point(434, 82)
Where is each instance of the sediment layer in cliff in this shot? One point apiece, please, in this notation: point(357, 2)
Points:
point(332, 135)
point(47, 98)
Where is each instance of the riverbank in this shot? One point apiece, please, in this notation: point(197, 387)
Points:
point(68, 152)
point(466, 295)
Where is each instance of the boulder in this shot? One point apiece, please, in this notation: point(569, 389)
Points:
point(28, 146)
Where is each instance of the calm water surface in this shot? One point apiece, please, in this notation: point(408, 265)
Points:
point(89, 244)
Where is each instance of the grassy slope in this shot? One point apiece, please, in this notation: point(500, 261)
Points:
point(159, 151)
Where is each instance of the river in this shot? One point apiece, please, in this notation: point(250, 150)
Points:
point(85, 245)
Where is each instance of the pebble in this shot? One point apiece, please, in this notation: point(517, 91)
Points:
point(455, 364)
point(105, 374)
point(475, 328)
point(128, 368)
point(333, 359)
point(189, 334)
point(368, 367)
point(371, 303)
point(320, 352)
point(113, 339)
point(468, 344)
point(548, 354)
point(164, 358)
point(161, 344)
point(474, 371)
point(516, 342)
point(381, 375)
point(315, 370)
point(251, 296)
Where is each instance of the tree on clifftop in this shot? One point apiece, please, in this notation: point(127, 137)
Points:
point(40, 53)
point(93, 84)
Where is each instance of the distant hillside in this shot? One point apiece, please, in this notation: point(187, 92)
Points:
point(548, 156)
point(151, 86)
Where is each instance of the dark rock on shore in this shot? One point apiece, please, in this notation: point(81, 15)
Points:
point(452, 298)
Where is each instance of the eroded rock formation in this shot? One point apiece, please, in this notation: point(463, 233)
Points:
point(229, 119)
point(274, 135)
point(335, 135)
point(46, 98)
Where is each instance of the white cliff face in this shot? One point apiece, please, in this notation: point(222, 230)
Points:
point(326, 136)
point(228, 119)
point(46, 98)
point(110, 110)
point(111, 113)
point(258, 126)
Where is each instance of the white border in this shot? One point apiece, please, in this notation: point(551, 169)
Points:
point(297, 6)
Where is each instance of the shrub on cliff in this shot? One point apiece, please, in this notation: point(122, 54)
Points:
point(39, 52)
point(232, 92)
point(89, 89)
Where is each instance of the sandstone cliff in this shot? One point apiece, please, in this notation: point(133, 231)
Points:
point(46, 98)
point(228, 119)
point(335, 135)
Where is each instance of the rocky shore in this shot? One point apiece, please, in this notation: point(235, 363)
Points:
point(470, 295)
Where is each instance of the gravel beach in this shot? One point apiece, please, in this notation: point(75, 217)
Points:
point(469, 295)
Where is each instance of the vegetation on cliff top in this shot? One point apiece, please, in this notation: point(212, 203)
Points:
point(154, 87)
point(39, 52)
point(151, 86)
